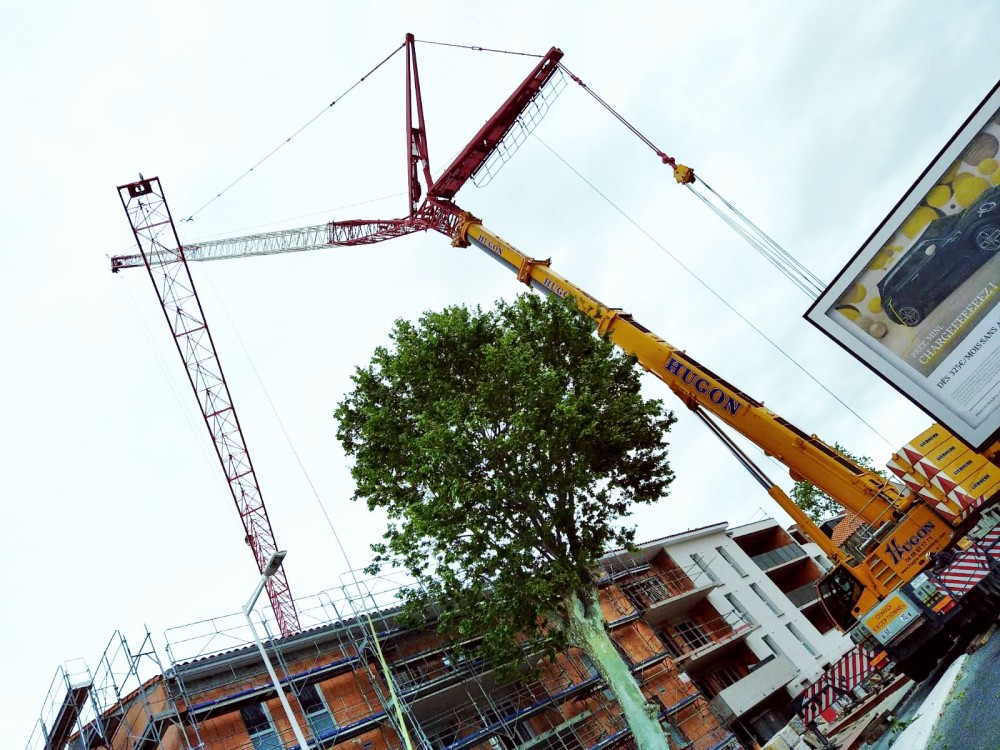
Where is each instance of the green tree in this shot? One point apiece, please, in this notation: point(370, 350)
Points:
point(817, 504)
point(505, 447)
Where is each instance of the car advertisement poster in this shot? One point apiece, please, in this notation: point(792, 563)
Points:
point(920, 302)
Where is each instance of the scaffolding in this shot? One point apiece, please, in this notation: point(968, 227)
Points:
point(362, 681)
point(123, 702)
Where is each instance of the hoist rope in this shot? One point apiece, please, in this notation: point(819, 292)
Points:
point(783, 261)
point(770, 249)
point(804, 284)
point(327, 108)
point(614, 113)
point(708, 288)
point(285, 142)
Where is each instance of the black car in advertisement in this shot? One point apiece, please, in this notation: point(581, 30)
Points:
point(950, 250)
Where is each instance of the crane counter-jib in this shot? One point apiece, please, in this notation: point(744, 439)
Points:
point(859, 491)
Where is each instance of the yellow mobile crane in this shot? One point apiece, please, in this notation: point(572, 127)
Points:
point(878, 586)
point(901, 530)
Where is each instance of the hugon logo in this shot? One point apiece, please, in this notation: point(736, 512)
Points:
point(715, 394)
point(898, 551)
point(491, 245)
point(554, 288)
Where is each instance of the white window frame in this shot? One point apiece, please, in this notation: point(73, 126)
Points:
point(705, 568)
point(260, 738)
point(743, 612)
point(773, 645)
point(317, 714)
point(775, 609)
point(813, 652)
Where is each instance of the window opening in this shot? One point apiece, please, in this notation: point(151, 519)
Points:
point(738, 607)
point(764, 598)
point(316, 711)
point(724, 676)
point(805, 643)
point(704, 567)
point(772, 644)
point(263, 735)
point(443, 736)
point(692, 634)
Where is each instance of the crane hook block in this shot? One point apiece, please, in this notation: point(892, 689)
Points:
point(683, 175)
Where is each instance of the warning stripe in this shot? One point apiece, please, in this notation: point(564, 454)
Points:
point(965, 573)
point(991, 542)
point(972, 565)
point(850, 671)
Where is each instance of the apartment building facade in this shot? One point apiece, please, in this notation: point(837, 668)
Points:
point(356, 680)
point(762, 578)
point(705, 620)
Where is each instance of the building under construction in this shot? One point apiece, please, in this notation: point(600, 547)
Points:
point(354, 678)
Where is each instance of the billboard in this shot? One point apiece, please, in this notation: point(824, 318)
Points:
point(920, 302)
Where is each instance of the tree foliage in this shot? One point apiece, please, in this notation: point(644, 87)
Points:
point(505, 447)
point(817, 504)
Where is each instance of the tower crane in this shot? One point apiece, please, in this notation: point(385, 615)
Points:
point(805, 455)
point(166, 261)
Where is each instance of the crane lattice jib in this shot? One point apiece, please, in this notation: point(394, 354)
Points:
point(475, 155)
point(156, 237)
point(333, 234)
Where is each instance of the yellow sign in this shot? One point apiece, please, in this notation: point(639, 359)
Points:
point(889, 611)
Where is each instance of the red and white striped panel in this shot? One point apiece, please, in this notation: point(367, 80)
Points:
point(990, 544)
point(967, 503)
point(899, 468)
point(850, 671)
point(965, 572)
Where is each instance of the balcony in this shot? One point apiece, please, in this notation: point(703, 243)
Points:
point(742, 696)
point(697, 644)
point(664, 596)
point(803, 596)
point(778, 557)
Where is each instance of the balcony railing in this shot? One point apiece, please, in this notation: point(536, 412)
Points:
point(780, 556)
point(653, 588)
point(691, 641)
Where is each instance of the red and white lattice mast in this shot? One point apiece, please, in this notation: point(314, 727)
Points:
point(161, 253)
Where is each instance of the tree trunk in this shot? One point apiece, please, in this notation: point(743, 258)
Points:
point(585, 630)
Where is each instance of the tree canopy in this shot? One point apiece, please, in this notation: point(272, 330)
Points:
point(506, 446)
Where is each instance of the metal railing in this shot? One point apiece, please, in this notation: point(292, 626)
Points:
point(780, 556)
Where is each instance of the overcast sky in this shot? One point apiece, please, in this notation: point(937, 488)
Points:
point(812, 118)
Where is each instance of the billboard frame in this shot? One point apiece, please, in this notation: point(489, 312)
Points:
point(864, 346)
